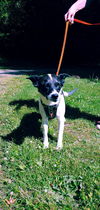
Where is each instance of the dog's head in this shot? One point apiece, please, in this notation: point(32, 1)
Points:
point(49, 85)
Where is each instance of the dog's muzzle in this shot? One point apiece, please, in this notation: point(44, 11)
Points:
point(54, 97)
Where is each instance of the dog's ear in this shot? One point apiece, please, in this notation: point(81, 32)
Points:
point(62, 77)
point(35, 80)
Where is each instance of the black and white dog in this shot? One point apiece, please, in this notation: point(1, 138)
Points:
point(51, 103)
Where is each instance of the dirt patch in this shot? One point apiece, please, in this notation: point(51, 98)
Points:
point(6, 76)
point(3, 84)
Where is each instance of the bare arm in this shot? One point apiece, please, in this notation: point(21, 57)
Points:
point(78, 5)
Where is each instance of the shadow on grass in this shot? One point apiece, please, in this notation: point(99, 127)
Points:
point(75, 113)
point(28, 103)
point(30, 124)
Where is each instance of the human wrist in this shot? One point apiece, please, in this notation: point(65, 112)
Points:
point(80, 4)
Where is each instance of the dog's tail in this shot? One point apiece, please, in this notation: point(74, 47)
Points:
point(66, 94)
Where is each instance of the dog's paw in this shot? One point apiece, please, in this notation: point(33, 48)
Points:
point(46, 146)
point(59, 147)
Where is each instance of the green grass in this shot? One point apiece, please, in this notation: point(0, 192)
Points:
point(49, 179)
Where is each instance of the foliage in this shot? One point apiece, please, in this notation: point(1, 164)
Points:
point(14, 15)
point(23, 23)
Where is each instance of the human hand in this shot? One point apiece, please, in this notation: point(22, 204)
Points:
point(69, 16)
point(78, 5)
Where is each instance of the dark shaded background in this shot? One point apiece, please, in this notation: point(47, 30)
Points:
point(35, 38)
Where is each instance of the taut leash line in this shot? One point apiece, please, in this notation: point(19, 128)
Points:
point(86, 23)
point(65, 37)
point(63, 48)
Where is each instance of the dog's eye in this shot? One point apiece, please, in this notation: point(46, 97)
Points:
point(57, 84)
point(47, 85)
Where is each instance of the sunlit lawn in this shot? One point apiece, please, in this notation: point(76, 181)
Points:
point(34, 178)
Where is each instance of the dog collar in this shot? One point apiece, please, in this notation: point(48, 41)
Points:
point(50, 110)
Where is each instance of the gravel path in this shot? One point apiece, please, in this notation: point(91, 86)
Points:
point(10, 73)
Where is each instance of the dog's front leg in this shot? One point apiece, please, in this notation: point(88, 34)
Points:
point(60, 132)
point(44, 125)
point(45, 132)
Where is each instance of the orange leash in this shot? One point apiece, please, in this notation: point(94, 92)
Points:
point(65, 37)
point(63, 48)
point(86, 23)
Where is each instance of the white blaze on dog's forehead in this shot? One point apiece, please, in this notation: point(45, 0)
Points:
point(50, 76)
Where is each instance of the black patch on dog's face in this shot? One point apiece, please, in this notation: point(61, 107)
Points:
point(48, 84)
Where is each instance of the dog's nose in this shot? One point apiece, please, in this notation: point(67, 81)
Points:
point(54, 96)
